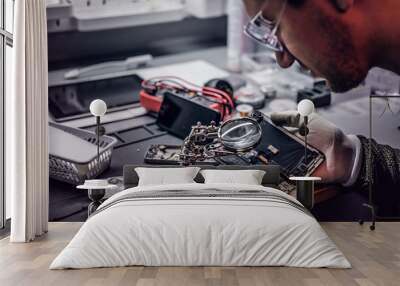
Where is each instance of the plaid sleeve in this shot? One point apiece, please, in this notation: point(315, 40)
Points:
point(385, 175)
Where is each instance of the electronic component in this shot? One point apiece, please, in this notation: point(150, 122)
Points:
point(250, 97)
point(178, 114)
point(244, 110)
point(220, 84)
point(168, 155)
point(235, 136)
point(254, 140)
point(151, 102)
point(218, 98)
point(273, 150)
point(70, 101)
point(233, 159)
point(320, 95)
point(278, 146)
point(163, 154)
point(268, 91)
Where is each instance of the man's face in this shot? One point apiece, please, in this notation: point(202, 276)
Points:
point(315, 33)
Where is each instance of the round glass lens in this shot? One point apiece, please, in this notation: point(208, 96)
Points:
point(240, 134)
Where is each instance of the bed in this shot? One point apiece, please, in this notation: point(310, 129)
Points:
point(201, 224)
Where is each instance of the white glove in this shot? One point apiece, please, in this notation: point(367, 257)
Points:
point(342, 152)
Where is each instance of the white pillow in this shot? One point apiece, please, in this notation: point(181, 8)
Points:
point(166, 176)
point(243, 177)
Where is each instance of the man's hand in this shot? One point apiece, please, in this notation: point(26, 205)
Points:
point(341, 151)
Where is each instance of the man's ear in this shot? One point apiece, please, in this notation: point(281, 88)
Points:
point(343, 5)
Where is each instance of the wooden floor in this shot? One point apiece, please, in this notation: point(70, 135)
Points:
point(375, 257)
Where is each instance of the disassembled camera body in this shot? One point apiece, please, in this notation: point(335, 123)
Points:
point(320, 94)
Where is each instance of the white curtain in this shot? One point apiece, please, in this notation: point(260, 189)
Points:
point(26, 124)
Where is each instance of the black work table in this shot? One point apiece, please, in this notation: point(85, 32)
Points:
point(68, 204)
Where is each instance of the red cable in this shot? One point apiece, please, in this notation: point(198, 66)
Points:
point(221, 96)
point(224, 94)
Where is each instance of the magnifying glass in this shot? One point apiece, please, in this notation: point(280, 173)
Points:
point(240, 135)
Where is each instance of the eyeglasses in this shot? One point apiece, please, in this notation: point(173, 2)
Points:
point(264, 31)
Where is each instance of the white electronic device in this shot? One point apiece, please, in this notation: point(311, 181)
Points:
point(130, 63)
point(206, 8)
point(98, 15)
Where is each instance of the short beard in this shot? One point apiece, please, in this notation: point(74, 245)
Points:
point(342, 82)
point(343, 71)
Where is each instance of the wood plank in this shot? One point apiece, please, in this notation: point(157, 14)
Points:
point(375, 257)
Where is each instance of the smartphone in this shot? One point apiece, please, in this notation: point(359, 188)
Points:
point(279, 146)
point(178, 114)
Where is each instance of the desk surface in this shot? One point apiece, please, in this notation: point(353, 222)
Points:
point(342, 112)
point(349, 111)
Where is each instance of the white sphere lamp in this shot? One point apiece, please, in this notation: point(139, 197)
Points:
point(305, 107)
point(98, 108)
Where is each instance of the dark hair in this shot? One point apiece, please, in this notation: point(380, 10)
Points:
point(295, 3)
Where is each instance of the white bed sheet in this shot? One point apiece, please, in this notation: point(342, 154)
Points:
point(200, 232)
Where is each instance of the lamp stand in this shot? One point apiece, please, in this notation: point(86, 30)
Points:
point(305, 141)
point(304, 132)
point(305, 192)
point(98, 137)
point(305, 185)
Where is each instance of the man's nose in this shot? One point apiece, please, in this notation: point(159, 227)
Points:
point(285, 59)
